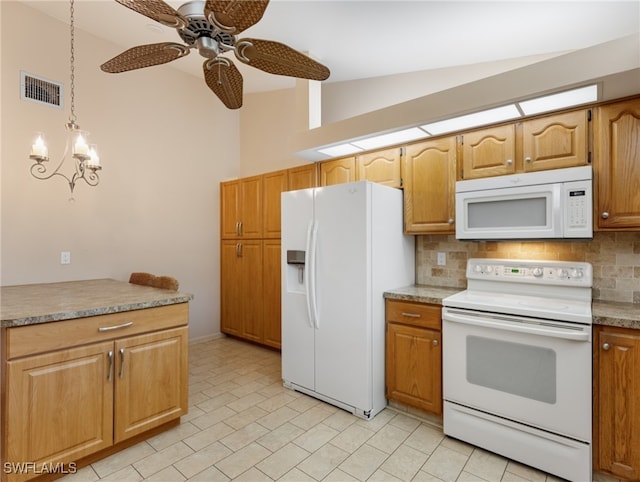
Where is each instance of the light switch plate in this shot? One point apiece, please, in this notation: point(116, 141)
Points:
point(442, 258)
point(65, 257)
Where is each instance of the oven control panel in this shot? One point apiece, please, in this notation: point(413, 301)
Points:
point(525, 271)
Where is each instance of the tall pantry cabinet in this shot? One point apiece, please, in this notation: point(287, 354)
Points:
point(250, 252)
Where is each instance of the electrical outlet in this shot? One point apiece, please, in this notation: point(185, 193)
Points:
point(65, 257)
point(442, 258)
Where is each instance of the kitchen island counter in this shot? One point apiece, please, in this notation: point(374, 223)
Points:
point(30, 304)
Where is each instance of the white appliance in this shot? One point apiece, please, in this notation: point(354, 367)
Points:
point(517, 363)
point(342, 247)
point(550, 204)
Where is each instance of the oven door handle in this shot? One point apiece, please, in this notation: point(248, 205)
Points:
point(520, 325)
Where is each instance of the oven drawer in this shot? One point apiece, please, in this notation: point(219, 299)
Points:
point(414, 314)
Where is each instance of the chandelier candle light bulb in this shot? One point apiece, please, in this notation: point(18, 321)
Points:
point(94, 160)
point(39, 149)
point(80, 147)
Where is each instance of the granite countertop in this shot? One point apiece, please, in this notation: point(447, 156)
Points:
point(626, 315)
point(40, 303)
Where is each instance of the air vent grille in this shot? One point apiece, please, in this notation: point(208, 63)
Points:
point(40, 90)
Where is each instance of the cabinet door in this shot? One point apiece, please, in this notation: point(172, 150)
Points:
point(338, 171)
point(229, 209)
point(230, 288)
point(303, 177)
point(555, 141)
point(151, 381)
point(617, 410)
point(489, 152)
point(429, 172)
point(414, 367)
point(251, 294)
point(272, 293)
point(274, 183)
point(61, 405)
point(382, 167)
point(617, 166)
point(251, 207)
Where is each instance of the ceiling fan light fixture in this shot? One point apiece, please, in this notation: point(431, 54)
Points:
point(208, 47)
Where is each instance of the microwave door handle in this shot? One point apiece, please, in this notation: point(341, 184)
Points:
point(534, 327)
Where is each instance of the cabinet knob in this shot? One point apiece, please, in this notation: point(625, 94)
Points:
point(435, 342)
point(451, 220)
point(605, 215)
point(606, 346)
point(527, 159)
point(509, 162)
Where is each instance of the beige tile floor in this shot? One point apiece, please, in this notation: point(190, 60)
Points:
point(244, 425)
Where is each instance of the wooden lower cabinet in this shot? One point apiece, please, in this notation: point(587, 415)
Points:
point(241, 288)
point(414, 355)
point(74, 402)
point(272, 329)
point(616, 409)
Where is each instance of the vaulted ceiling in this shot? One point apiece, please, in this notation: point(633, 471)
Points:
point(362, 38)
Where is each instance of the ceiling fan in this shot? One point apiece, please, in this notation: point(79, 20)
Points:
point(212, 27)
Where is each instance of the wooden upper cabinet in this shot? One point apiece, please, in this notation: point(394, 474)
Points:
point(382, 167)
point(489, 152)
point(617, 166)
point(303, 177)
point(274, 183)
point(555, 142)
point(229, 208)
point(429, 171)
point(338, 171)
point(241, 208)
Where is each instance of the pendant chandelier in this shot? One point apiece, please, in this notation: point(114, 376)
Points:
point(83, 154)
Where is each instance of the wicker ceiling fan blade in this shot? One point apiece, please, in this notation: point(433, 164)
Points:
point(278, 58)
point(145, 56)
point(156, 10)
point(225, 80)
point(234, 16)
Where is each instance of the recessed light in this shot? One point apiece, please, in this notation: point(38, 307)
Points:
point(568, 98)
point(476, 119)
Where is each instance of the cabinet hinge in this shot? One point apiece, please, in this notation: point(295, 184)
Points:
point(589, 157)
point(589, 115)
point(462, 140)
point(402, 151)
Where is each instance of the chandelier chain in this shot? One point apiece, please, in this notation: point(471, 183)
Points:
point(72, 117)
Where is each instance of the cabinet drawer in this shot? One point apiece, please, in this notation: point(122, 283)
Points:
point(415, 314)
point(57, 335)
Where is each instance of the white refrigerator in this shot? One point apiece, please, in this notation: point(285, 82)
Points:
point(342, 247)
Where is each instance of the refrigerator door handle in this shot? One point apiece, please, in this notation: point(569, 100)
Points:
point(312, 302)
point(307, 274)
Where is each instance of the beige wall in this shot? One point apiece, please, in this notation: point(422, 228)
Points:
point(165, 143)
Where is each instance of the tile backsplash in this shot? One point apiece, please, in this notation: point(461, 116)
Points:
point(615, 258)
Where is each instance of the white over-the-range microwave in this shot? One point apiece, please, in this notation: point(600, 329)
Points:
point(553, 204)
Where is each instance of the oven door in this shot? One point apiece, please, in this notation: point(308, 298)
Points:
point(528, 370)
